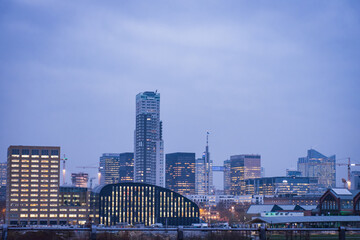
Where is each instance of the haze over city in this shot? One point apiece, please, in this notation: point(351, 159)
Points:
point(269, 78)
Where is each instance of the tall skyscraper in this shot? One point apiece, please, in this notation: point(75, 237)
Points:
point(318, 165)
point(243, 167)
point(180, 172)
point(126, 168)
point(109, 168)
point(149, 146)
point(80, 179)
point(33, 185)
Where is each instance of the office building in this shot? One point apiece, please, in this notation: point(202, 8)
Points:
point(318, 165)
point(227, 177)
point(33, 185)
point(149, 146)
point(3, 174)
point(132, 203)
point(180, 172)
point(80, 179)
point(109, 168)
point(73, 205)
point(126, 168)
point(243, 167)
point(202, 173)
point(280, 185)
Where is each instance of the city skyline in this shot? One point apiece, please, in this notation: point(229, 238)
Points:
point(263, 79)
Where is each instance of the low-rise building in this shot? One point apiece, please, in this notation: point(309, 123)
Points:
point(141, 203)
point(338, 201)
point(73, 205)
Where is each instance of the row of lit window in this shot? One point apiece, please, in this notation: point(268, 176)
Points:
point(33, 209)
point(33, 161)
point(72, 210)
point(33, 166)
point(37, 215)
point(34, 156)
point(31, 185)
point(33, 195)
point(34, 175)
point(33, 200)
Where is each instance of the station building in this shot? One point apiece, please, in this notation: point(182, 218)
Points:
point(146, 204)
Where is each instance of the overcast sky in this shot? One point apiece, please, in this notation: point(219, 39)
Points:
point(268, 77)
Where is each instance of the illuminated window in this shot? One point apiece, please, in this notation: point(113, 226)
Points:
point(33, 215)
point(53, 215)
point(43, 215)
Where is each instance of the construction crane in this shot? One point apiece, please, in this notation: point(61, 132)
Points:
point(64, 169)
point(99, 173)
point(349, 165)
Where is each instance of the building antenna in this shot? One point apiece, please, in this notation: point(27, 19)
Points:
point(207, 138)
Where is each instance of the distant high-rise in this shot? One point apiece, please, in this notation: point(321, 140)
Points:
point(3, 167)
point(109, 168)
point(318, 165)
point(180, 172)
point(149, 146)
point(243, 167)
point(204, 173)
point(227, 177)
point(126, 168)
point(79, 179)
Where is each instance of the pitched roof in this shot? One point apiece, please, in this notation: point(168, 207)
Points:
point(256, 209)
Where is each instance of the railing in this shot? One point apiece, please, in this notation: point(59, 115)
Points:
point(261, 233)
